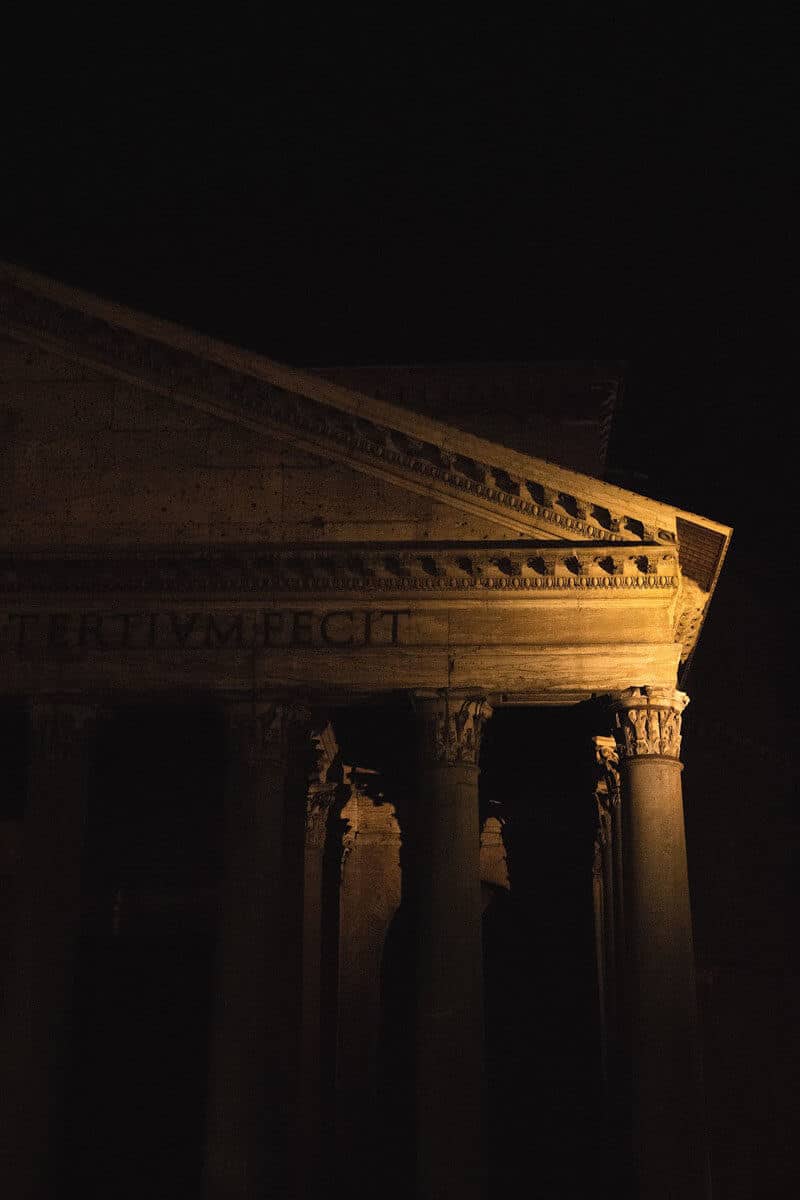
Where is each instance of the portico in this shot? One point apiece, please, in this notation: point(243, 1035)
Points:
point(229, 530)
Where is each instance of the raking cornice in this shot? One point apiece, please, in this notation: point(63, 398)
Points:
point(521, 493)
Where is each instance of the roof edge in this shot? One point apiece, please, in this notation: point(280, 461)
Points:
point(314, 387)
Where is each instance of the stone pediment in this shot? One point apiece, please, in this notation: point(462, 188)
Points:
point(420, 479)
point(525, 495)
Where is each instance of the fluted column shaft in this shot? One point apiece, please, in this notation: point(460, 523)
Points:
point(667, 1112)
point(44, 945)
point(449, 1008)
point(247, 1134)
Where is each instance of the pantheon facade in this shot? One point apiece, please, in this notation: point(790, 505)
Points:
point(290, 671)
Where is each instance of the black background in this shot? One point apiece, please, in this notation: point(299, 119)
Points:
point(423, 191)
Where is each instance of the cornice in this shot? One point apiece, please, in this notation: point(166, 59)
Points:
point(529, 492)
point(487, 569)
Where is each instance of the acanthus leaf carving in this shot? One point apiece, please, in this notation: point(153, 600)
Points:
point(648, 722)
point(324, 781)
point(451, 729)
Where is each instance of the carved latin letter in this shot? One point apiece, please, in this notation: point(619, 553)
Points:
point(301, 628)
point(328, 638)
point(91, 628)
point(273, 627)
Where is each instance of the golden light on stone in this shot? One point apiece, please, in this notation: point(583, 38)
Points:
point(169, 496)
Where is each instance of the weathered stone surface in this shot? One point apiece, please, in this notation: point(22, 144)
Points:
point(183, 518)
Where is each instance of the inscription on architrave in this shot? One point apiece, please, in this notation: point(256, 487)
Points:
point(252, 629)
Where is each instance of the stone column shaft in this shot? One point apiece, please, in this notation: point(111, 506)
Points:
point(44, 944)
point(601, 923)
point(322, 792)
point(607, 888)
point(247, 1138)
point(667, 1109)
point(368, 900)
point(450, 1148)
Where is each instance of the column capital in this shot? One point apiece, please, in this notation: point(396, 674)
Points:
point(647, 722)
point(266, 730)
point(324, 781)
point(606, 757)
point(451, 728)
point(58, 724)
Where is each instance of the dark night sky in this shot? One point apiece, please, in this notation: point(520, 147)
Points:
point(611, 189)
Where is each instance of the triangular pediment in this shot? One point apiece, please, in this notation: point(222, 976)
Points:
point(524, 495)
point(94, 462)
point(361, 469)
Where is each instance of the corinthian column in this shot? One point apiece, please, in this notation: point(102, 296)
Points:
point(323, 789)
point(607, 888)
point(449, 1009)
point(247, 1129)
point(667, 1117)
point(36, 1018)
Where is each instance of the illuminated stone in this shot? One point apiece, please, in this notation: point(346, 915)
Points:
point(187, 519)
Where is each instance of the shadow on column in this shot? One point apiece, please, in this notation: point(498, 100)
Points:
point(142, 1003)
point(545, 1110)
point(545, 1105)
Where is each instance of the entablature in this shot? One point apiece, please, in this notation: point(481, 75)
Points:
point(610, 541)
point(520, 492)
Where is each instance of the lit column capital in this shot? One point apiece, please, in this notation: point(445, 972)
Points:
point(451, 728)
point(647, 722)
point(606, 757)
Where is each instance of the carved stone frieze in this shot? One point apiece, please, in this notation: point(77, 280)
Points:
point(648, 722)
point(692, 604)
point(451, 729)
point(325, 751)
point(430, 567)
point(177, 372)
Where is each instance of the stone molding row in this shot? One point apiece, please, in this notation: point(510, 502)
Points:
point(168, 370)
point(426, 568)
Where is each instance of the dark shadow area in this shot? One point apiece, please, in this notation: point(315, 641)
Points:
point(138, 1080)
point(14, 756)
point(381, 737)
point(544, 1088)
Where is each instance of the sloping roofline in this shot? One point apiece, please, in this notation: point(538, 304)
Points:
point(509, 494)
